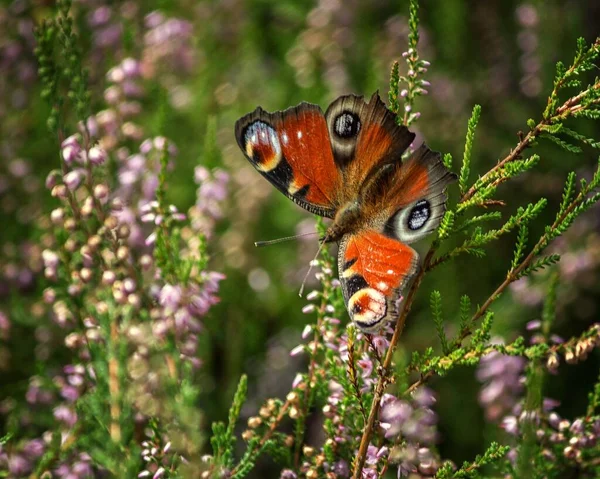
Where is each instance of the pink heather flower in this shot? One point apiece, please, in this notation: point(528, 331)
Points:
point(100, 16)
point(394, 413)
point(424, 397)
point(73, 179)
point(150, 240)
point(341, 469)
point(146, 146)
point(4, 326)
point(97, 155)
point(533, 325)
point(72, 140)
point(502, 377)
point(170, 296)
point(18, 465)
point(115, 75)
point(34, 448)
point(306, 331)
point(131, 67)
point(154, 19)
point(297, 350)
point(70, 154)
point(65, 415)
point(52, 179)
point(50, 259)
point(297, 380)
point(288, 474)
point(309, 308)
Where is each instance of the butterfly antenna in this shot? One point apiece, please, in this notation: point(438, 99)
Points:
point(312, 263)
point(259, 244)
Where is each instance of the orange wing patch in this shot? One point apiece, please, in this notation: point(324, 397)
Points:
point(373, 270)
point(306, 147)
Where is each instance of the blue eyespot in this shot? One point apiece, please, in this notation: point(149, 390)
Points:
point(346, 125)
point(419, 214)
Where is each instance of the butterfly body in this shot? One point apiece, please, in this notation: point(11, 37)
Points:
point(346, 164)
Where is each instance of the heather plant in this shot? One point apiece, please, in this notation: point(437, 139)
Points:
point(120, 331)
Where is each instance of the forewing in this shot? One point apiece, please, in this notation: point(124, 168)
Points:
point(364, 137)
point(374, 269)
point(292, 150)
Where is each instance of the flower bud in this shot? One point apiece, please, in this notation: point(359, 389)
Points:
point(123, 231)
point(86, 274)
point(88, 207)
point(49, 295)
point(70, 224)
point(59, 191)
point(101, 193)
point(570, 357)
point(146, 261)
point(117, 204)
point(52, 179)
point(108, 277)
point(130, 68)
point(73, 179)
point(123, 253)
point(57, 216)
point(70, 245)
point(94, 241)
point(254, 422)
point(50, 258)
point(111, 222)
point(97, 155)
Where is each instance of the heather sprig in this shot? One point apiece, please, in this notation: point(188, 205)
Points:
point(404, 89)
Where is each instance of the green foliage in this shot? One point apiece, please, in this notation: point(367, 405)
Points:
point(493, 454)
point(447, 160)
point(436, 311)
point(223, 439)
point(465, 169)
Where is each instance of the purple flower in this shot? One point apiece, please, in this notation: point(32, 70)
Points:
point(341, 469)
point(18, 465)
point(170, 296)
point(4, 326)
point(34, 448)
point(97, 155)
point(65, 415)
point(73, 179)
point(394, 413)
point(502, 377)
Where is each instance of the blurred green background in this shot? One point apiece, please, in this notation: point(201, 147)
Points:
point(241, 54)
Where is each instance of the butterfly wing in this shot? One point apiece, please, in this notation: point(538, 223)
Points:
point(292, 150)
point(373, 270)
point(375, 264)
point(364, 138)
point(415, 201)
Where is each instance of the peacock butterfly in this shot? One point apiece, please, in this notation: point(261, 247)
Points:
point(347, 165)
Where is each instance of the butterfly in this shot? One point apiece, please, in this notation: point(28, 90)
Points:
point(346, 164)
